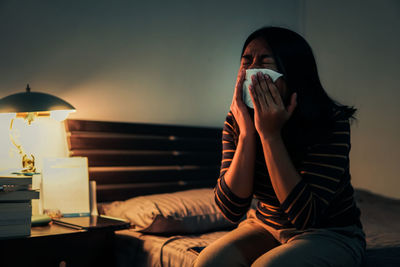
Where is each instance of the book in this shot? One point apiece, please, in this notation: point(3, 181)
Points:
point(15, 230)
point(14, 187)
point(15, 215)
point(15, 206)
point(15, 210)
point(15, 221)
point(19, 195)
point(15, 180)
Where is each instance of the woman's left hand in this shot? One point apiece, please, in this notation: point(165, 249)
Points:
point(270, 113)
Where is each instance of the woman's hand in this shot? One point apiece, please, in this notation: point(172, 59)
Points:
point(239, 109)
point(270, 113)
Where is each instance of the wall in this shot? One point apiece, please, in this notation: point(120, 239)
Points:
point(172, 62)
point(176, 62)
point(356, 44)
point(143, 61)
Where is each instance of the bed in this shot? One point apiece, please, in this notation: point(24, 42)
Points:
point(161, 179)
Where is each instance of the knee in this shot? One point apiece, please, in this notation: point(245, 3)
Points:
point(281, 256)
point(210, 257)
point(226, 256)
point(275, 262)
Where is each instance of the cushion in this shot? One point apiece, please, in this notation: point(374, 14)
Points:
point(184, 212)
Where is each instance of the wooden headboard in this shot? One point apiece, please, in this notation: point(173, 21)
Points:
point(132, 159)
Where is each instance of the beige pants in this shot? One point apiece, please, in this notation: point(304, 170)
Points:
point(255, 244)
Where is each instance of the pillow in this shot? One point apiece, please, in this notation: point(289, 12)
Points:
point(184, 212)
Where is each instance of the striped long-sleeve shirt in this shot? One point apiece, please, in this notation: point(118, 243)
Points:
point(322, 198)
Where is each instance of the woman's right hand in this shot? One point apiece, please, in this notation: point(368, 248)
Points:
point(239, 109)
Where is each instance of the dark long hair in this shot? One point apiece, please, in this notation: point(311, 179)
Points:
point(316, 112)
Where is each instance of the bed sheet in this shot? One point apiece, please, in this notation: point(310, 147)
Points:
point(380, 217)
point(136, 249)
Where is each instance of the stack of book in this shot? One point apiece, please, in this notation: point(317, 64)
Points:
point(15, 205)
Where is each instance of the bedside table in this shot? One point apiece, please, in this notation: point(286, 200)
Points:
point(56, 245)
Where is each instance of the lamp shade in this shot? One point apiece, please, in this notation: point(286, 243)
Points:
point(32, 102)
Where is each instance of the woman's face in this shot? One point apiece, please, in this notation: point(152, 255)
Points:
point(258, 55)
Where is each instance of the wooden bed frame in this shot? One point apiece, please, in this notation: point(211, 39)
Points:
point(132, 159)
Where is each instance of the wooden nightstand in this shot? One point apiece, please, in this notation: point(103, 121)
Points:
point(56, 245)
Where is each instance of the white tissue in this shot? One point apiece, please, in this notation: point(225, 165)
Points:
point(250, 72)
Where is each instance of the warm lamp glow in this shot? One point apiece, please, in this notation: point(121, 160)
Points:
point(30, 105)
point(7, 116)
point(60, 115)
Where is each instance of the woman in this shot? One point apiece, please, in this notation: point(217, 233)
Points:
point(291, 153)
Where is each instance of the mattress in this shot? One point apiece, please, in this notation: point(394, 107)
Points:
point(380, 217)
point(136, 249)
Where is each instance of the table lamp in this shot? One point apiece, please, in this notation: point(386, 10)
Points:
point(29, 105)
